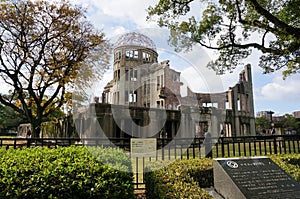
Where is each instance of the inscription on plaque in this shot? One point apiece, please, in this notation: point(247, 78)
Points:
point(142, 147)
point(256, 177)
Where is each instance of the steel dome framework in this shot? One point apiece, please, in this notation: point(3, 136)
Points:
point(135, 39)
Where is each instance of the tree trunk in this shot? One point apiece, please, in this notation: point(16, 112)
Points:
point(36, 128)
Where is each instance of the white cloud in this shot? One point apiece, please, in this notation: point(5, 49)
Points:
point(115, 17)
point(118, 30)
point(199, 82)
point(279, 89)
point(110, 12)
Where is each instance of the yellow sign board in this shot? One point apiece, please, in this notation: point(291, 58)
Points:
point(143, 147)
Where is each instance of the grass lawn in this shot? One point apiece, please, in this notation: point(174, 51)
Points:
point(11, 142)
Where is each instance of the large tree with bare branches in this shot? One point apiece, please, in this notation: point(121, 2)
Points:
point(234, 28)
point(44, 46)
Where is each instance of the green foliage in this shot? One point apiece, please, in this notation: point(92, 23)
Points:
point(181, 179)
point(9, 118)
point(289, 123)
point(234, 29)
point(290, 163)
point(70, 172)
point(262, 123)
point(113, 157)
point(185, 178)
point(46, 46)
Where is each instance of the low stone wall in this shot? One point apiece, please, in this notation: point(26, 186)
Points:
point(61, 128)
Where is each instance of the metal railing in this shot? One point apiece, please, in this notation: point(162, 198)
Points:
point(176, 148)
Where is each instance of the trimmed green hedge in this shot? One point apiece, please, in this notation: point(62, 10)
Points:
point(290, 163)
point(186, 178)
point(180, 179)
point(69, 172)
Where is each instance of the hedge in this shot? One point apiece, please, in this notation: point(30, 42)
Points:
point(186, 178)
point(290, 163)
point(180, 179)
point(65, 172)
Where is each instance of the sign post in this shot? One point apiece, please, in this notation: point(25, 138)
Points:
point(143, 147)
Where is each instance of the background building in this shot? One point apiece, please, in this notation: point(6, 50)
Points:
point(296, 114)
point(145, 86)
point(267, 114)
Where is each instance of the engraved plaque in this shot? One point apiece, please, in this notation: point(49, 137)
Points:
point(257, 177)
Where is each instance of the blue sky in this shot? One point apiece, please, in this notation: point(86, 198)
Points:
point(115, 17)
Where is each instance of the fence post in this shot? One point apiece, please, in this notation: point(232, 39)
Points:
point(163, 149)
point(28, 142)
point(222, 146)
point(275, 145)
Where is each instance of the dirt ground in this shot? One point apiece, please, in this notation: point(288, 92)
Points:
point(140, 194)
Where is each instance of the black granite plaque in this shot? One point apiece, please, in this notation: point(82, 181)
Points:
point(257, 177)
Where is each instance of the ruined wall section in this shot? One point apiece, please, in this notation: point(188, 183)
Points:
point(140, 81)
point(100, 120)
point(240, 99)
point(232, 110)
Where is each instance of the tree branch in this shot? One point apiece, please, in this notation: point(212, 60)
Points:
point(4, 102)
point(182, 2)
point(277, 22)
point(243, 46)
point(254, 23)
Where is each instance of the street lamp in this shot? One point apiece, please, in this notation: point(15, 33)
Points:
point(270, 113)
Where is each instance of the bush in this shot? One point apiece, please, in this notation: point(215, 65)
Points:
point(185, 178)
point(70, 172)
point(113, 157)
point(181, 179)
point(290, 163)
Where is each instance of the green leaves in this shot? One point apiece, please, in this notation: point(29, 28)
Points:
point(181, 179)
point(69, 172)
point(290, 163)
point(234, 29)
point(262, 123)
point(185, 178)
point(46, 47)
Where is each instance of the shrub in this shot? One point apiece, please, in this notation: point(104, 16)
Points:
point(290, 163)
point(113, 157)
point(185, 178)
point(181, 179)
point(70, 172)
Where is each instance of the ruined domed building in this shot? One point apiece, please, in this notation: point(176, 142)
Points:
point(143, 100)
point(139, 80)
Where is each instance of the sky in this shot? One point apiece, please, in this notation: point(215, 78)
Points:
point(115, 17)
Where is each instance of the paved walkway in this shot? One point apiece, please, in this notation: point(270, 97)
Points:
point(213, 193)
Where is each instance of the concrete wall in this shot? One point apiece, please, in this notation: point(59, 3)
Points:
point(119, 121)
point(232, 111)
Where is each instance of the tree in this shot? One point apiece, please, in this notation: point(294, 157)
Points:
point(234, 28)
point(289, 123)
point(44, 47)
point(9, 118)
point(262, 124)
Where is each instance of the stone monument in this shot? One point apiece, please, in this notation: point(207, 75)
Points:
point(256, 177)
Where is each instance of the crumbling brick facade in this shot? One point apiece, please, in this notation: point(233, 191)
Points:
point(144, 86)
